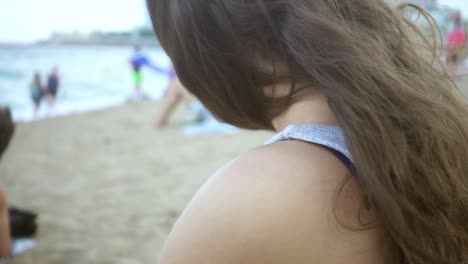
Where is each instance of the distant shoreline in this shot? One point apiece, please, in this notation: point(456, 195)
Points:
point(92, 109)
point(80, 44)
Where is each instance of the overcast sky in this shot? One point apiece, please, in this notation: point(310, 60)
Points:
point(459, 4)
point(30, 20)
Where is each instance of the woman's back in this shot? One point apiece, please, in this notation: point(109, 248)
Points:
point(276, 204)
point(361, 65)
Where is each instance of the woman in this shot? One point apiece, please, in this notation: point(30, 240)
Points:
point(370, 163)
point(38, 91)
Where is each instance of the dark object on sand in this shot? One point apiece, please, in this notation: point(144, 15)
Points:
point(22, 223)
point(6, 128)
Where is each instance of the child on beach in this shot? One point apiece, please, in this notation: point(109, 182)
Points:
point(137, 61)
point(370, 161)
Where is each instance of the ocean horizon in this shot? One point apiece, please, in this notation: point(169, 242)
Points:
point(92, 77)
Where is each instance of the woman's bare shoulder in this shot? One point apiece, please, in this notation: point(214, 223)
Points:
point(273, 204)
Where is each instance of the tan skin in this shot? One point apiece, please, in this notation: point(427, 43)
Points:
point(5, 241)
point(275, 204)
point(176, 94)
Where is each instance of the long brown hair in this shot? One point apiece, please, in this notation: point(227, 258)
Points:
point(405, 121)
point(6, 128)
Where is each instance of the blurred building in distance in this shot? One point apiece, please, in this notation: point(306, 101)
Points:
point(140, 35)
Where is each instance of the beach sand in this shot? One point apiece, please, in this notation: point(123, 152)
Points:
point(106, 186)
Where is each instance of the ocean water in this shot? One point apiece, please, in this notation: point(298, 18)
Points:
point(92, 77)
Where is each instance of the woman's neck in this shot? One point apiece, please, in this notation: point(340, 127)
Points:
point(311, 109)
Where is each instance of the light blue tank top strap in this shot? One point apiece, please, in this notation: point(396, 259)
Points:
point(330, 137)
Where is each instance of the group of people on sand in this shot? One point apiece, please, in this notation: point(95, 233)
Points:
point(45, 90)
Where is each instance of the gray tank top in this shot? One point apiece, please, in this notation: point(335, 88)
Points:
point(330, 137)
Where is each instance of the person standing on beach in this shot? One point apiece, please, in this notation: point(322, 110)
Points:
point(137, 61)
point(53, 83)
point(370, 161)
point(455, 43)
point(38, 91)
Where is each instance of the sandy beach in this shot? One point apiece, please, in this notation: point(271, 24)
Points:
point(106, 186)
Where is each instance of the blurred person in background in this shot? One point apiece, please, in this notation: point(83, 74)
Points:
point(175, 95)
point(137, 61)
point(53, 83)
point(38, 91)
point(455, 44)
